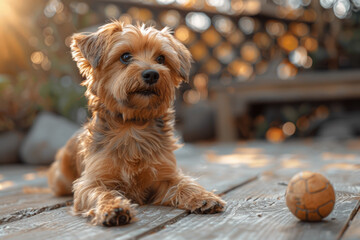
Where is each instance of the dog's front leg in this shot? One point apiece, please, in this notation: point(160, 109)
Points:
point(183, 192)
point(106, 207)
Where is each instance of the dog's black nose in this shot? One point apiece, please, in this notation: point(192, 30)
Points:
point(150, 76)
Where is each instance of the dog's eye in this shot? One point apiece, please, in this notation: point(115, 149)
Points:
point(126, 58)
point(160, 59)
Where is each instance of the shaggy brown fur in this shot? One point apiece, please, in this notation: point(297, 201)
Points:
point(124, 155)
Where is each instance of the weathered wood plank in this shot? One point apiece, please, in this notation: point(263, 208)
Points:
point(193, 162)
point(60, 224)
point(220, 167)
point(258, 211)
point(52, 223)
point(24, 193)
point(352, 231)
point(16, 177)
point(27, 186)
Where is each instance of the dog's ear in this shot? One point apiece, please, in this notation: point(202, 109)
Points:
point(183, 54)
point(88, 48)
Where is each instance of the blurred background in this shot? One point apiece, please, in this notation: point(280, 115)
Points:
point(264, 69)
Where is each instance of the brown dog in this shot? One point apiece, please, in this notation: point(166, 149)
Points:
point(124, 155)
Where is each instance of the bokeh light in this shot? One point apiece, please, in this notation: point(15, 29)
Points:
point(170, 18)
point(80, 7)
point(252, 7)
point(247, 25)
point(275, 135)
point(211, 37)
point(126, 18)
point(275, 28)
point(327, 3)
point(184, 34)
point(288, 42)
point(165, 2)
point(223, 25)
point(53, 7)
point(311, 44)
point(286, 70)
point(37, 57)
point(299, 29)
point(249, 52)
point(199, 50)
point(262, 40)
point(308, 63)
point(201, 81)
point(216, 3)
point(298, 57)
point(342, 8)
point(224, 52)
point(212, 66)
point(356, 3)
point(198, 21)
point(237, 6)
point(140, 14)
point(289, 129)
point(201, 84)
point(240, 69)
point(236, 37)
point(191, 96)
point(112, 11)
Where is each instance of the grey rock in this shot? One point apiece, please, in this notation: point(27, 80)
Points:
point(9, 146)
point(49, 133)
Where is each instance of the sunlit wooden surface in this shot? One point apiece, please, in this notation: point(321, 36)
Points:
point(251, 176)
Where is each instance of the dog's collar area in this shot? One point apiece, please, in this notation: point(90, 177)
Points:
point(120, 116)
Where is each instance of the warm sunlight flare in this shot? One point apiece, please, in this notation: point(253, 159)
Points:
point(15, 29)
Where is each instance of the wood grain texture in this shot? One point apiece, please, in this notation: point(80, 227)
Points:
point(15, 177)
point(255, 210)
point(258, 211)
point(60, 224)
point(48, 224)
point(352, 231)
point(24, 193)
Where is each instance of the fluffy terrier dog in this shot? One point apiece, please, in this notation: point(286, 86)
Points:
point(124, 155)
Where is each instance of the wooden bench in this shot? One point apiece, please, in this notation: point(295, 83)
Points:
point(234, 99)
point(251, 176)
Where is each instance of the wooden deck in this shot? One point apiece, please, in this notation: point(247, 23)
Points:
point(251, 176)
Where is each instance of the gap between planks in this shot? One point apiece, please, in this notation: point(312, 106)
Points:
point(185, 214)
point(29, 212)
point(348, 221)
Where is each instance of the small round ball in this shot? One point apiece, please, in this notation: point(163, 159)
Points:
point(310, 196)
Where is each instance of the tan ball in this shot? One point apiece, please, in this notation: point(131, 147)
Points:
point(310, 196)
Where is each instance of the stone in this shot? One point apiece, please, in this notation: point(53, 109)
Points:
point(49, 133)
point(9, 146)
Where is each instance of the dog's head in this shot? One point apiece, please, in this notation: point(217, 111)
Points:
point(131, 70)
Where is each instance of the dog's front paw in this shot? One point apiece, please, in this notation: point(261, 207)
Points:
point(115, 213)
point(207, 203)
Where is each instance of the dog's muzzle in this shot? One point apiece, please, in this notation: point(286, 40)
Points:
point(150, 76)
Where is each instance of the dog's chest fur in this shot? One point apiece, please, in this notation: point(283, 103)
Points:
point(138, 153)
point(130, 142)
